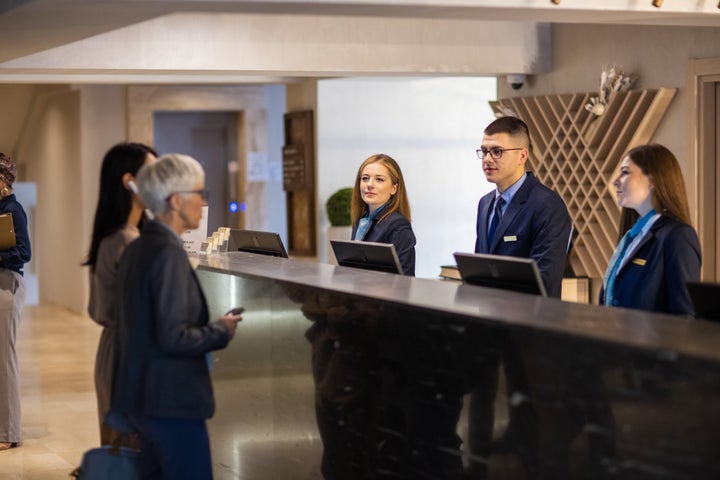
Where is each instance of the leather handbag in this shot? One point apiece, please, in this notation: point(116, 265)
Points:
point(109, 462)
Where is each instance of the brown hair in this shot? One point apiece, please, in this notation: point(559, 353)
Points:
point(398, 202)
point(669, 197)
point(513, 126)
point(8, 170)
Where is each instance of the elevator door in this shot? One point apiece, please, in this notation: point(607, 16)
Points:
point(212, 139)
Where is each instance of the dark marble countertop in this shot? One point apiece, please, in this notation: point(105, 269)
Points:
point(670, 336)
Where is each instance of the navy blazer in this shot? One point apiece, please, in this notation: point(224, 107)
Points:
point(163, 332)
point(14, 258)
point(395, 229)
point(536, 225)
point(654, 278)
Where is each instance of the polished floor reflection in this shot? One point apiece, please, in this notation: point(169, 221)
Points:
point(658, 411)
point(56, 350)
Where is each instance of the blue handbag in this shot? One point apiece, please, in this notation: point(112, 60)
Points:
point(109, 463)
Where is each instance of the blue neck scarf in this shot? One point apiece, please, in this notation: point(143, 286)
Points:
point(365, 222)
point(619, 254)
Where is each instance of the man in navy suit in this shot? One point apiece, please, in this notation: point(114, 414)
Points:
point(533, 220)
point(520, 218)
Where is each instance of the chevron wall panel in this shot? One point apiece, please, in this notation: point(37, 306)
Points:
point(577, 153)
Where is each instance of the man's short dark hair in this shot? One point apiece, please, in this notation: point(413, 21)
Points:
point(513, 126)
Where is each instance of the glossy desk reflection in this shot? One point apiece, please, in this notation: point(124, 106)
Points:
point(379, 368)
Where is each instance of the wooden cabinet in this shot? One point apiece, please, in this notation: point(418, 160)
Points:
point(299, 182)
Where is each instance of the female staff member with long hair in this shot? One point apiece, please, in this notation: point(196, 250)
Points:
point(660, 253)
point(12, 299)
point(118, 217)
point(344, 334)
point(380, 210)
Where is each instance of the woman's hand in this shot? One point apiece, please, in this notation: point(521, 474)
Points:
point(231, 320)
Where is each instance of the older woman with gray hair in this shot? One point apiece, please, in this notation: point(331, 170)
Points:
point(162, 379)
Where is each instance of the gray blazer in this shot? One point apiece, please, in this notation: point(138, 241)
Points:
point(163, 332)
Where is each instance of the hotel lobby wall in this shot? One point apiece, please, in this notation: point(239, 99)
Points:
point(431, 126)
point(660, 57)
point(62, 143)
point(63, 139)
point(657, 55)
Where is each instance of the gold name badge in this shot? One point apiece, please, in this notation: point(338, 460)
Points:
point(639, 261)
point(510, 238)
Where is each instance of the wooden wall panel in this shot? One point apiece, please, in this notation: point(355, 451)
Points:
point(577, 154)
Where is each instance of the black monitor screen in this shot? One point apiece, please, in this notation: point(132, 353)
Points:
point(498, 271)
point(252, 241)
point(380, 257)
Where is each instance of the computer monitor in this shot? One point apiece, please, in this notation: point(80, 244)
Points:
point(706, 299)
point(380, 257)
point(253, 241)
point(499, 271)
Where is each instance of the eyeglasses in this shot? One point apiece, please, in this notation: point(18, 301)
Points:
point(496, 152)
point(204, 193)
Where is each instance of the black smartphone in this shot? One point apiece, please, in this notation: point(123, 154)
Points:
point(236, 311)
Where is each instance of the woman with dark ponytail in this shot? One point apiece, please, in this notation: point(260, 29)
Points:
point(118, 218)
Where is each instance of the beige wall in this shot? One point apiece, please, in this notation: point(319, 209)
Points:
point(658, 55)
point(66, 135)
point(67, 129)
point(102, 119)
point(248, 101)
point(53, 156)
point(16, 101)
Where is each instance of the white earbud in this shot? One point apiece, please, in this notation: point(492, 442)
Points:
point(133, 188)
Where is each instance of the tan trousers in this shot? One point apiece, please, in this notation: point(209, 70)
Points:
point(12, 300)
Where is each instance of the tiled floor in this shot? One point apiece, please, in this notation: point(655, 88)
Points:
point(56, 349)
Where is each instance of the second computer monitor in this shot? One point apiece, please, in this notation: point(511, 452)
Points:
point(253, 241)
point(380, 257)
point(499, 271)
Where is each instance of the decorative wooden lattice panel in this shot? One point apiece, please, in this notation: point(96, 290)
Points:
point(577, 153)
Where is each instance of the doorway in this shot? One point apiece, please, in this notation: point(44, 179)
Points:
point(214, 139)
point(704, 139)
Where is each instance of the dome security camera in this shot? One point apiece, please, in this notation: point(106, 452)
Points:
point(516, 80)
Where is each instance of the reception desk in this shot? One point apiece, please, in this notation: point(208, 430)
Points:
point(366, 375)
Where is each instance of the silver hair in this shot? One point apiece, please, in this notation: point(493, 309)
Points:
point(171, 173)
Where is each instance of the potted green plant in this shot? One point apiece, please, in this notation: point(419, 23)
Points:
point(337, 209)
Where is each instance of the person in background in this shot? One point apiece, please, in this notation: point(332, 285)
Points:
point(520, 218)
point(344, 333)
point(658, 249)
point(380, 210)
point(164, 336)
point(118, 216)
point(12, 300)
